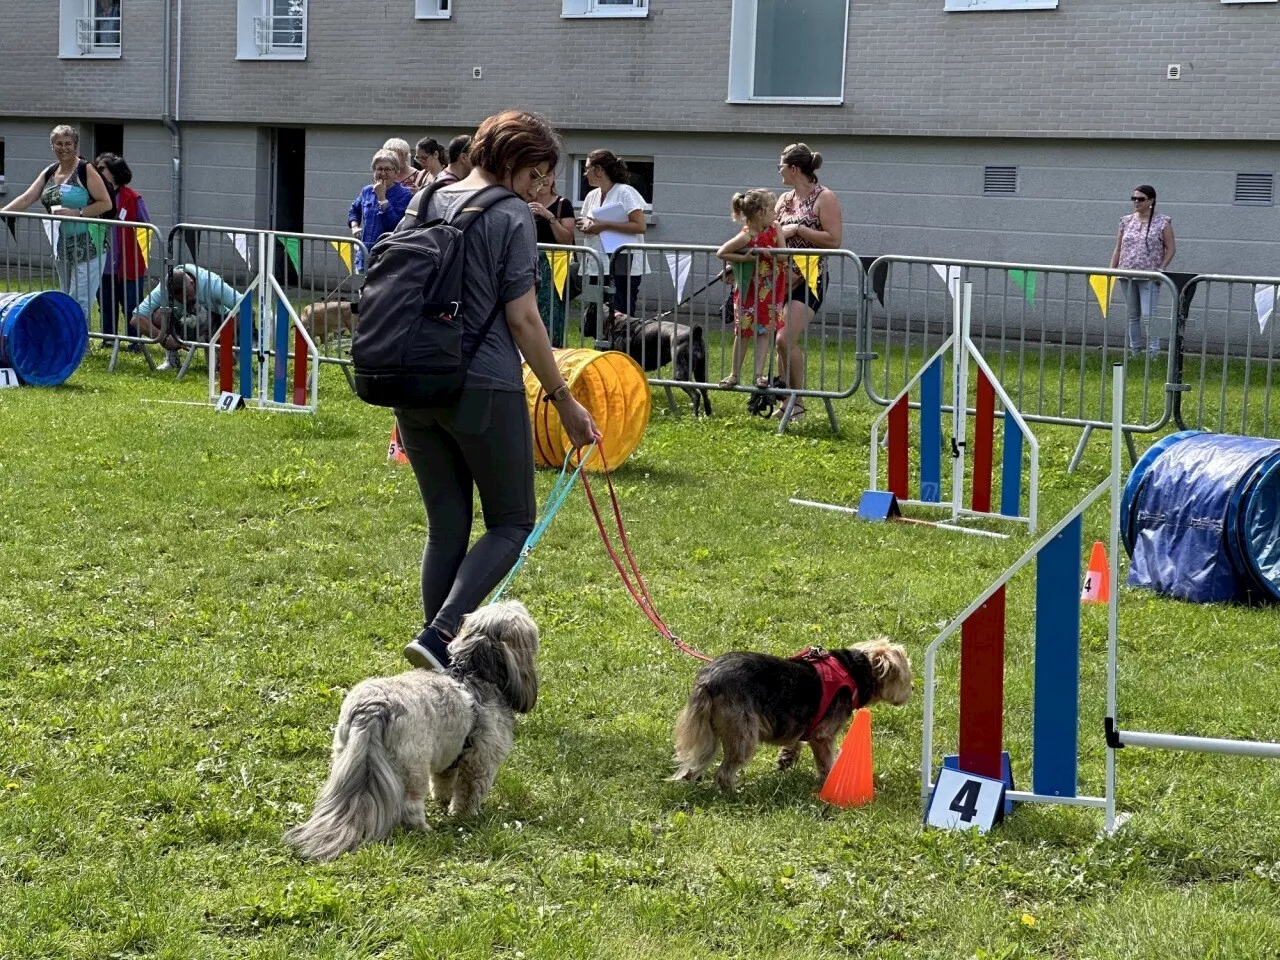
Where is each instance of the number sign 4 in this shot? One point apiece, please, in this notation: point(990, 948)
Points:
point(961, 801)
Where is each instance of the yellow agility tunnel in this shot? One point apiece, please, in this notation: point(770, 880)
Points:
point(614, 390)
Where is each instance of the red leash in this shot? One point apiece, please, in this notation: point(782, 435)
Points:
point(638, 590)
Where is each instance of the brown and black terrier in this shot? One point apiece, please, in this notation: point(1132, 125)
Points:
point(741, 700)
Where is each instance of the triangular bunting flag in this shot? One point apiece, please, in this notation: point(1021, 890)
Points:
point(559, 270)
point(344, 251)
point(810, 268)
point(1264, 299)
point(1102, 286)
point(144, 247)
point(12, 224)
point(950, 276)
point(51, 231)
point(678, 264)
point(1026, 282)
point(241, 242)
point(291, 248)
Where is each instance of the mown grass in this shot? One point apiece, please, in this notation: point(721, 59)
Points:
point(187, 596)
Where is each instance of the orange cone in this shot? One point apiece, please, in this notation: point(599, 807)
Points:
point(1097, 581)
point(850, 783)
point(395, 452)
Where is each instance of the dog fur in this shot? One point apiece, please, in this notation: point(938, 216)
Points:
point(741, 700)
point(655, 343)
point(399, 736)
point(329, 318)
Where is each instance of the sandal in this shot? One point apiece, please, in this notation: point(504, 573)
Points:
point(797, 412)
point(728, 382)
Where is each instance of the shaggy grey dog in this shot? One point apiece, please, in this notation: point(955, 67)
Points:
point(742, 699)
point(449, 732)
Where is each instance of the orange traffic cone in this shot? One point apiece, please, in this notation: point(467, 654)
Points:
point(850, 783)
point(395, 452)
point(1097, 581)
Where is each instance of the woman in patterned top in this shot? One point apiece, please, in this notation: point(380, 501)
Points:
point(1144, 242)
point(808, 218)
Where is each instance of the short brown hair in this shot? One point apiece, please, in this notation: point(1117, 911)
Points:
point(514, 139)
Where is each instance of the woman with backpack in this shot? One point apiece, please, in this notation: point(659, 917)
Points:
point(482, 440)
point(73, 191)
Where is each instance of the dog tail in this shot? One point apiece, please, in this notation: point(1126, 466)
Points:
point(361, 801)
point(695, 739)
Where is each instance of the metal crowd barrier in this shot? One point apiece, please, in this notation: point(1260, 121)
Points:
point(564, 297)
point(1230, 355)
point(317, 273)
point(35, 255)
point(687, 286)
point(1049, 333)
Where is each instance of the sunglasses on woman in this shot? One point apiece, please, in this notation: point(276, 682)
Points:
point(1139, 199)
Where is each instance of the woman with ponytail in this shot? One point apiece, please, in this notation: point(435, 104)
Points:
point(808, 218)
point(1144, 242)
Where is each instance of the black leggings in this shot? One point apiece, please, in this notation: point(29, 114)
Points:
point(483, 442)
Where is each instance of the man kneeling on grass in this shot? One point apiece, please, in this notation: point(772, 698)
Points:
point(198, 301)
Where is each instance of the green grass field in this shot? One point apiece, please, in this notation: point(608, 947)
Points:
point(187, 596)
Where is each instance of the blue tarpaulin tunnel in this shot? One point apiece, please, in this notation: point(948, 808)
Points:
point(1200, 518)
point(43, 336)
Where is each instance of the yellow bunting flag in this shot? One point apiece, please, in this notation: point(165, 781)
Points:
point(144, 246)
point(344, 251)
point(810, 268)
point(559, 270)
point(1102, 287)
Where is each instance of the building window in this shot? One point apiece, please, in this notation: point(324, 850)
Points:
point(788, 51)
point(1255, 189)
point(604, 8)
point(271, 30)
point(975, 6)
point(433, 9)
point(641, 177)
point(999, 181)
point(89, 28)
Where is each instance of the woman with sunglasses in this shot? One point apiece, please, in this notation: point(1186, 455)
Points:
point(1144, 242)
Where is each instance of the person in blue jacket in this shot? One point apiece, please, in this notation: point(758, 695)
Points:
point(380, 205)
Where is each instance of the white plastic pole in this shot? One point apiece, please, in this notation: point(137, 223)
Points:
point(1113, 605)
point(960, 396)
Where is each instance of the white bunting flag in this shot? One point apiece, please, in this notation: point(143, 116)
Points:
point(950, 276)
point(678, 264)
point(1264, 298)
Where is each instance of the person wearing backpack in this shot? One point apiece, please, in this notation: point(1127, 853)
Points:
point(73, 191)
point(429, 346)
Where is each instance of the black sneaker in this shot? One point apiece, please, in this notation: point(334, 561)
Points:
point(428, 651)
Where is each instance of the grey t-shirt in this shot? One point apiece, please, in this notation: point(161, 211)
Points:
point(501, 262)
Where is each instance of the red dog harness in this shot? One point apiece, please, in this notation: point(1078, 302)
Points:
point(834, 678)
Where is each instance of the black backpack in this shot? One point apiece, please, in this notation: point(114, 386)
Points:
point(408, 349)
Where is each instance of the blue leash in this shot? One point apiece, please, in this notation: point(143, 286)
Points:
point(555, 500)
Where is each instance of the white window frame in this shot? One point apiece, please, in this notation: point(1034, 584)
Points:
point(742, 59)
point(575, 180)
point(249, 13)
point(74, 18)
point(433, 9)
point(985, 6)
point(596, 9)
point(1250, 1)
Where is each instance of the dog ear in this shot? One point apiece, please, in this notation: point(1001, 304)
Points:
point(499, 644)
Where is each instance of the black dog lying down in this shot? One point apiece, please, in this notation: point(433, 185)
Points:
point(655, 343)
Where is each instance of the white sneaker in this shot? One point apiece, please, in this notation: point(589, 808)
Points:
point(171, 361)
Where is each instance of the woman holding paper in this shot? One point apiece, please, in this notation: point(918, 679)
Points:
point(612, 214)
point(809, 217)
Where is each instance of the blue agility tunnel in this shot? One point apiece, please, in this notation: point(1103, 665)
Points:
point(43, 336)
point(1200, 518)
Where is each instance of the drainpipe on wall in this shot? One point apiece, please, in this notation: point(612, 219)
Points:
point(170, 114)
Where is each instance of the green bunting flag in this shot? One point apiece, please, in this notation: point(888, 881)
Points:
point(1026, 283)
point(291, 247)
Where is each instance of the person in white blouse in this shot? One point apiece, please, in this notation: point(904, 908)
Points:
point(607, 176)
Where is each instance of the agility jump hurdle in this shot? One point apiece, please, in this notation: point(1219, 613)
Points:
point(1059, 556)
point(1056, 704)
point(988, 389)
point(233, 338)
